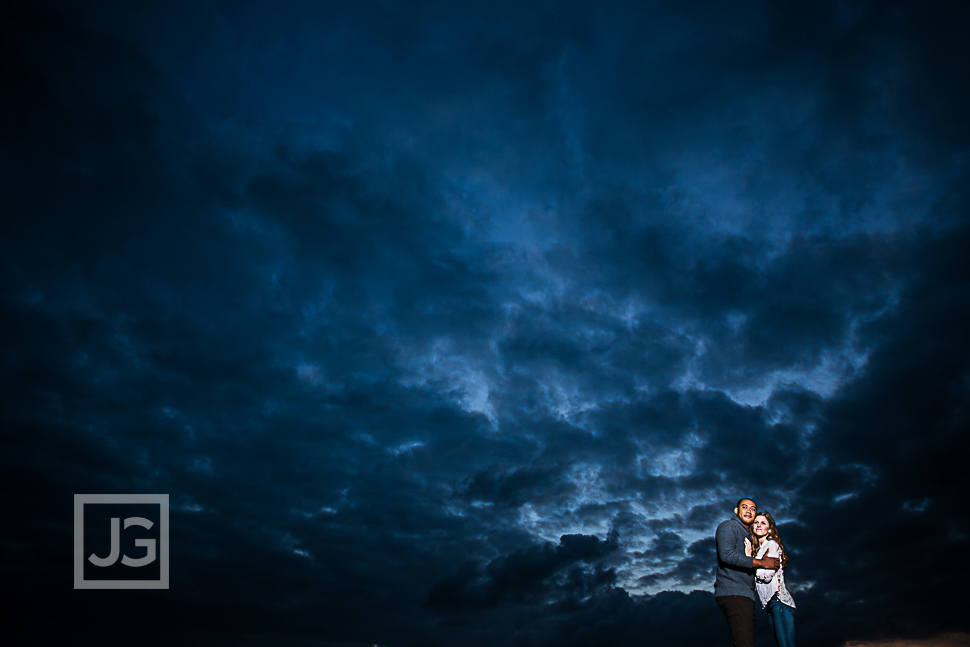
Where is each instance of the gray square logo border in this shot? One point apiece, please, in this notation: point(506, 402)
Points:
point(80, 500)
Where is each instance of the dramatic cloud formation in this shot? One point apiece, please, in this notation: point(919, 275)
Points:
point(466, 325)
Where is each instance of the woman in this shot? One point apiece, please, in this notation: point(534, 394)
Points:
point(775, 597)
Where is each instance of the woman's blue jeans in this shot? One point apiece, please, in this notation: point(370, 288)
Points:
point(781, 619)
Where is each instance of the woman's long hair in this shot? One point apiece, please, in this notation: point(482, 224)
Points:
point(772, 534)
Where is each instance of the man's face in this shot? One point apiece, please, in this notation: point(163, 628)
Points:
point(746, 511)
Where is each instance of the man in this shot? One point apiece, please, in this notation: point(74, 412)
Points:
point(734, 589)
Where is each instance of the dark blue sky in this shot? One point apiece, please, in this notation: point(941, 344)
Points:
point(446, 324)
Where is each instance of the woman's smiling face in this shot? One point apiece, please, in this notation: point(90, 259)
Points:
point(760, 526)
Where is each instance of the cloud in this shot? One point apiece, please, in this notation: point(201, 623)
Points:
point(530, 576)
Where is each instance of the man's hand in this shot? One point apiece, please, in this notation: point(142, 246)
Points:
point(771, 563)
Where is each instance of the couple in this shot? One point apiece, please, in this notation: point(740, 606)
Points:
point(748, 550)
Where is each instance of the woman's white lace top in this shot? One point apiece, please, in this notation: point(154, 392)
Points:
point(769, 581)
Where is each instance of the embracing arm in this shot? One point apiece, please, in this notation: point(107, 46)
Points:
point(729, 549)
point(768, 564)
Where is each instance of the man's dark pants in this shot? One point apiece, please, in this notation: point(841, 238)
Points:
point(739, 611)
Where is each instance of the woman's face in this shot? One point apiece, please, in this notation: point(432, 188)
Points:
point(760, 526)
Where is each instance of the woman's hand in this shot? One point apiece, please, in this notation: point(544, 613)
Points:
point(747, 547)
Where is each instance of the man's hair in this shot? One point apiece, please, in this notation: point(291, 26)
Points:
point(737, 505)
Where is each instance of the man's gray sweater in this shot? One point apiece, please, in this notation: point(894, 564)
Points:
point(735, 575)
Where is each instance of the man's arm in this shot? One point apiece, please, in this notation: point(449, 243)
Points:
point(729, 549)
point(764, 573)
point(768, 562)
